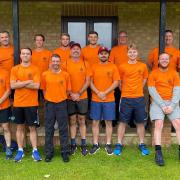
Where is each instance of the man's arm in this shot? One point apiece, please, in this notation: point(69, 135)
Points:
point(5, 96)
point(19, 84)
point(112, 87)
point(85, 86)
point(33, 85)
point(176, 97)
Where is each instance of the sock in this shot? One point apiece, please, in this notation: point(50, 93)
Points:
point(158, 147)
point(73, 141)
point(34, 149)
point(20, 149)
point(83, 142)
point(108, 143)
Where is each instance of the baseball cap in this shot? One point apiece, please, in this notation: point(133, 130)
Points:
point(75, 44)
point(103, 48)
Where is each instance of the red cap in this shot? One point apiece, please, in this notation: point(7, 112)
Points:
point(75, 44)
point(103, 48)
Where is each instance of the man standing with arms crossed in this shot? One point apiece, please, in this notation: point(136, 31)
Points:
point(105, 77)
point(133, 77)
point(164, 89)
point(25, 79)
point(80, 73)
point(56, 85)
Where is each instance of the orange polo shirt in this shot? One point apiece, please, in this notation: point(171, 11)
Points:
point(7, 57)
point(132, 76)
point(78, 72)
point(174, 57)
point(118, 55)
point(90, 54)
point(4, 86)
point(25, 97)
point(55, 85)
point(164, 82)
point(103, 75)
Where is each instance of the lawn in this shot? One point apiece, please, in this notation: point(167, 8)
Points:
point(130, 165)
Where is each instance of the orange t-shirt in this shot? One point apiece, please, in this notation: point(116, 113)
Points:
point(41, 59)
point(132, 76)
point(4, 86)
point(55, 85)
point(103, 75)
point(164, 82)
point(174, 57)
point(78, 72)
point(90, 54)
point(25, 97)
point(63, 53)
point(7, 57)
point(118, 55)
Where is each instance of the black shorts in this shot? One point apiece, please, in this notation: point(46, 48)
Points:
point(133, 106)
point(77, 107)
point(26, 115)
point(5, 115)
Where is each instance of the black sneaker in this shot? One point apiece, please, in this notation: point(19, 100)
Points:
point(108, 149)
point(159, 158)
point(94, 149)
point(73, 149)
point(84, 150)
point(48, 158)
point(65, 157)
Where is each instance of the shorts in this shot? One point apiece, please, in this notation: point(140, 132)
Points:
point(5, 115)
point(157, 113)
point(102, 110)
point(77, 107)
point(26, 115)
point(135, 107)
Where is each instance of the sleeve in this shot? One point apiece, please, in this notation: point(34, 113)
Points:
point(88, 70)
point(7, 82)
point(36, 77)
point(111, 57)
point(179, 60)
point(43, 82)
point(68, 83)
point(49, 58)
point(13, 76)
point(145, 74)
point(116, 76)
point(151, 58)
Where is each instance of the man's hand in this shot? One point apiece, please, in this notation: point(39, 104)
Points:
point(165, 109)
point(75, 96)
point(169, 109)
point(102, 95)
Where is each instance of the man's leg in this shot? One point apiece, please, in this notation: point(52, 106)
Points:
point(20, 135)
point(7, 133)
point(121, 132)
point(141, 132)
point(158, 131)
point(109, 130)
point(95, 131)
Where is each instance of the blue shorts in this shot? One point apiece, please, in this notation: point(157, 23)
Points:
point(102, 110)
point(133, 107)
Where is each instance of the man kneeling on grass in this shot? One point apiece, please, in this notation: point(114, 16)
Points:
point(104, 80)
point(164, 88)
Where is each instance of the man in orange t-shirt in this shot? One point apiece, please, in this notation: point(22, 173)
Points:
point(5, 109)
point(56, 84)
point(164, 89)
point(41, 56)
point(6, 51)
point(105, 77)
point(133, 78)
point(80, 73)
point(90, 52)
point(170, 49)
point(25, 79)
point(64, 50)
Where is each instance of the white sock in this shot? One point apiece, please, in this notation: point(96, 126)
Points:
point(34, 149)
point(20, 149)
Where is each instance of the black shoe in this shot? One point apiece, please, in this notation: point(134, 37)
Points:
point(84, 150)
point(48, 158)
point(65, 157)
point(159, 158)
point(108, 149)
point(94, 149)
point(73, 149)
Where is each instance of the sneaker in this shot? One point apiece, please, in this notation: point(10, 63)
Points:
point(36, 156)
point(144, 150)
point(73, 149)
point(19, 156)
point(48, 158)
point(118, 149)
point(108, 149)
point(84, 150)
point(65, 157)
point(9, 153)
point(159, 158)
point(94, 149)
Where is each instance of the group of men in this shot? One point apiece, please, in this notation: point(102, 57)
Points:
point(62, 78)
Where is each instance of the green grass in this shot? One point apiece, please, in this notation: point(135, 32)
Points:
point(130, 165)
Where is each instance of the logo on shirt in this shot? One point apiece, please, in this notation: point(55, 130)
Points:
point(30, 76)
point(81, 69)
point(109, 74)
point(170, 82)
point(1, 81)
point(61, 82)
point(140, 72)
point(44, 58)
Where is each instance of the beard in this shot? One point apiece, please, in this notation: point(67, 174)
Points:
point(163, 67)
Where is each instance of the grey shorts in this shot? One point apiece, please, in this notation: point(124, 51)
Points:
point(80, 107)
point(157, 113)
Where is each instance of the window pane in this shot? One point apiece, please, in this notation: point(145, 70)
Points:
point(77, 31)
point(105, 33)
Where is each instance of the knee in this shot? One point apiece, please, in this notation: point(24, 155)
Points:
point(158, 125)
point(95, 124)
point(32, 129)
point(176, 124)
point(108, 124)
point(72, 122)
